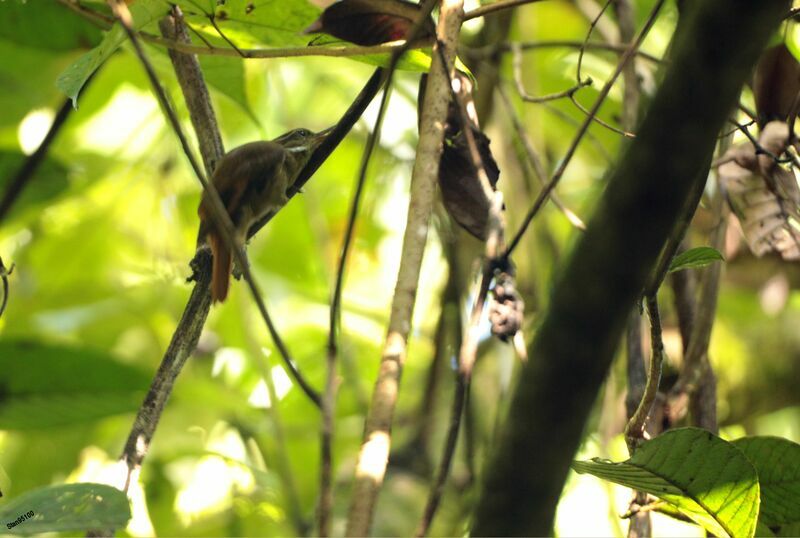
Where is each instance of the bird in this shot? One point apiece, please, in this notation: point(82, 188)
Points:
point(252, 181)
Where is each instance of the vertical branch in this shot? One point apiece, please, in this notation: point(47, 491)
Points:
point(329, 397)
point(374, 454)
point(635, 429)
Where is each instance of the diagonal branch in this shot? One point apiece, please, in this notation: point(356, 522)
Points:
point(32, 162)
point(715, 48)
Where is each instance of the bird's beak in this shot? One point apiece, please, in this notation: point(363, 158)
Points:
point(322, 135)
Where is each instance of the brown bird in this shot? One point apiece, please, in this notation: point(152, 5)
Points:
point(251, 181)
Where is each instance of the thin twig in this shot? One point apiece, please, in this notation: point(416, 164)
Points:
point(602, 123)
point(219, 214)
point(329, 400)
point(594, 22)
point(517, 70)
point(495, 7)
point(213, 21)
point(469, 344)
point(491, 51)
point(277, 434)
point(17, 183)
point(533, 158)
point(635, 429)
point(544, 194)
point(374, 453)
point(591, 137)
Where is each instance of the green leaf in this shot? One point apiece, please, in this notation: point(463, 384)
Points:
point(47, 183)
point(709, 480)
point(277, 24)
point(44, 386)
point(75, 76)
point(694, 258)
point(45, 25)
point(792, 39)
point(777, 461)
point(226, 75)
point(66, 507)
point(248, 23)
point(5, 484)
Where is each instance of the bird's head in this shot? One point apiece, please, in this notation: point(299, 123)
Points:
point(302, 140)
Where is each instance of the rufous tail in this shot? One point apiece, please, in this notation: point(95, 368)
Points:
point(221, 268)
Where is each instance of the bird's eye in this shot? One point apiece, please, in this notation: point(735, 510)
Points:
point(304, 133)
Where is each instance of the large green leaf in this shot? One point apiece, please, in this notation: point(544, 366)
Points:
point(777, 461)
point(45, 25)
point(75, 76)
point(248, 23)
point(707, 479)
point(276, 24)
point(49, 181)
point(67, 507)
point(44, 385)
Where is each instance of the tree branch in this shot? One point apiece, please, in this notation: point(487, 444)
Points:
point(374, 454)
point(611, 261)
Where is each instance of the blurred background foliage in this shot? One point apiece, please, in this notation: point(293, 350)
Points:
point(102, 237)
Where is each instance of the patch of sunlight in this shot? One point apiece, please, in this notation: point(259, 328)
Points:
point(401, 117)
point(229, 362)
point(281, 381)
point(207, 485)
point(734, 431)
point(472, 26)
point(67, 320)
point(33, 128)
point(591, 507)
point(374, 455)
point(259, 396)
point(95, 465)
point(134, 119)
point(667, 527)
point(782, 423)
point(271, 511)
point(12, 242)
point(726, 343)
point(585, 508)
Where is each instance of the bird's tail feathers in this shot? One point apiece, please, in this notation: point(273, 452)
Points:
point(221, 268)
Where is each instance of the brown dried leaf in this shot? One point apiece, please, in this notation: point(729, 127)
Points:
point(462, 194)
point(776, 83)
point(764, 195)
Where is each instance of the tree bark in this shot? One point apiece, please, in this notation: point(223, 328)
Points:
point(715, 49)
